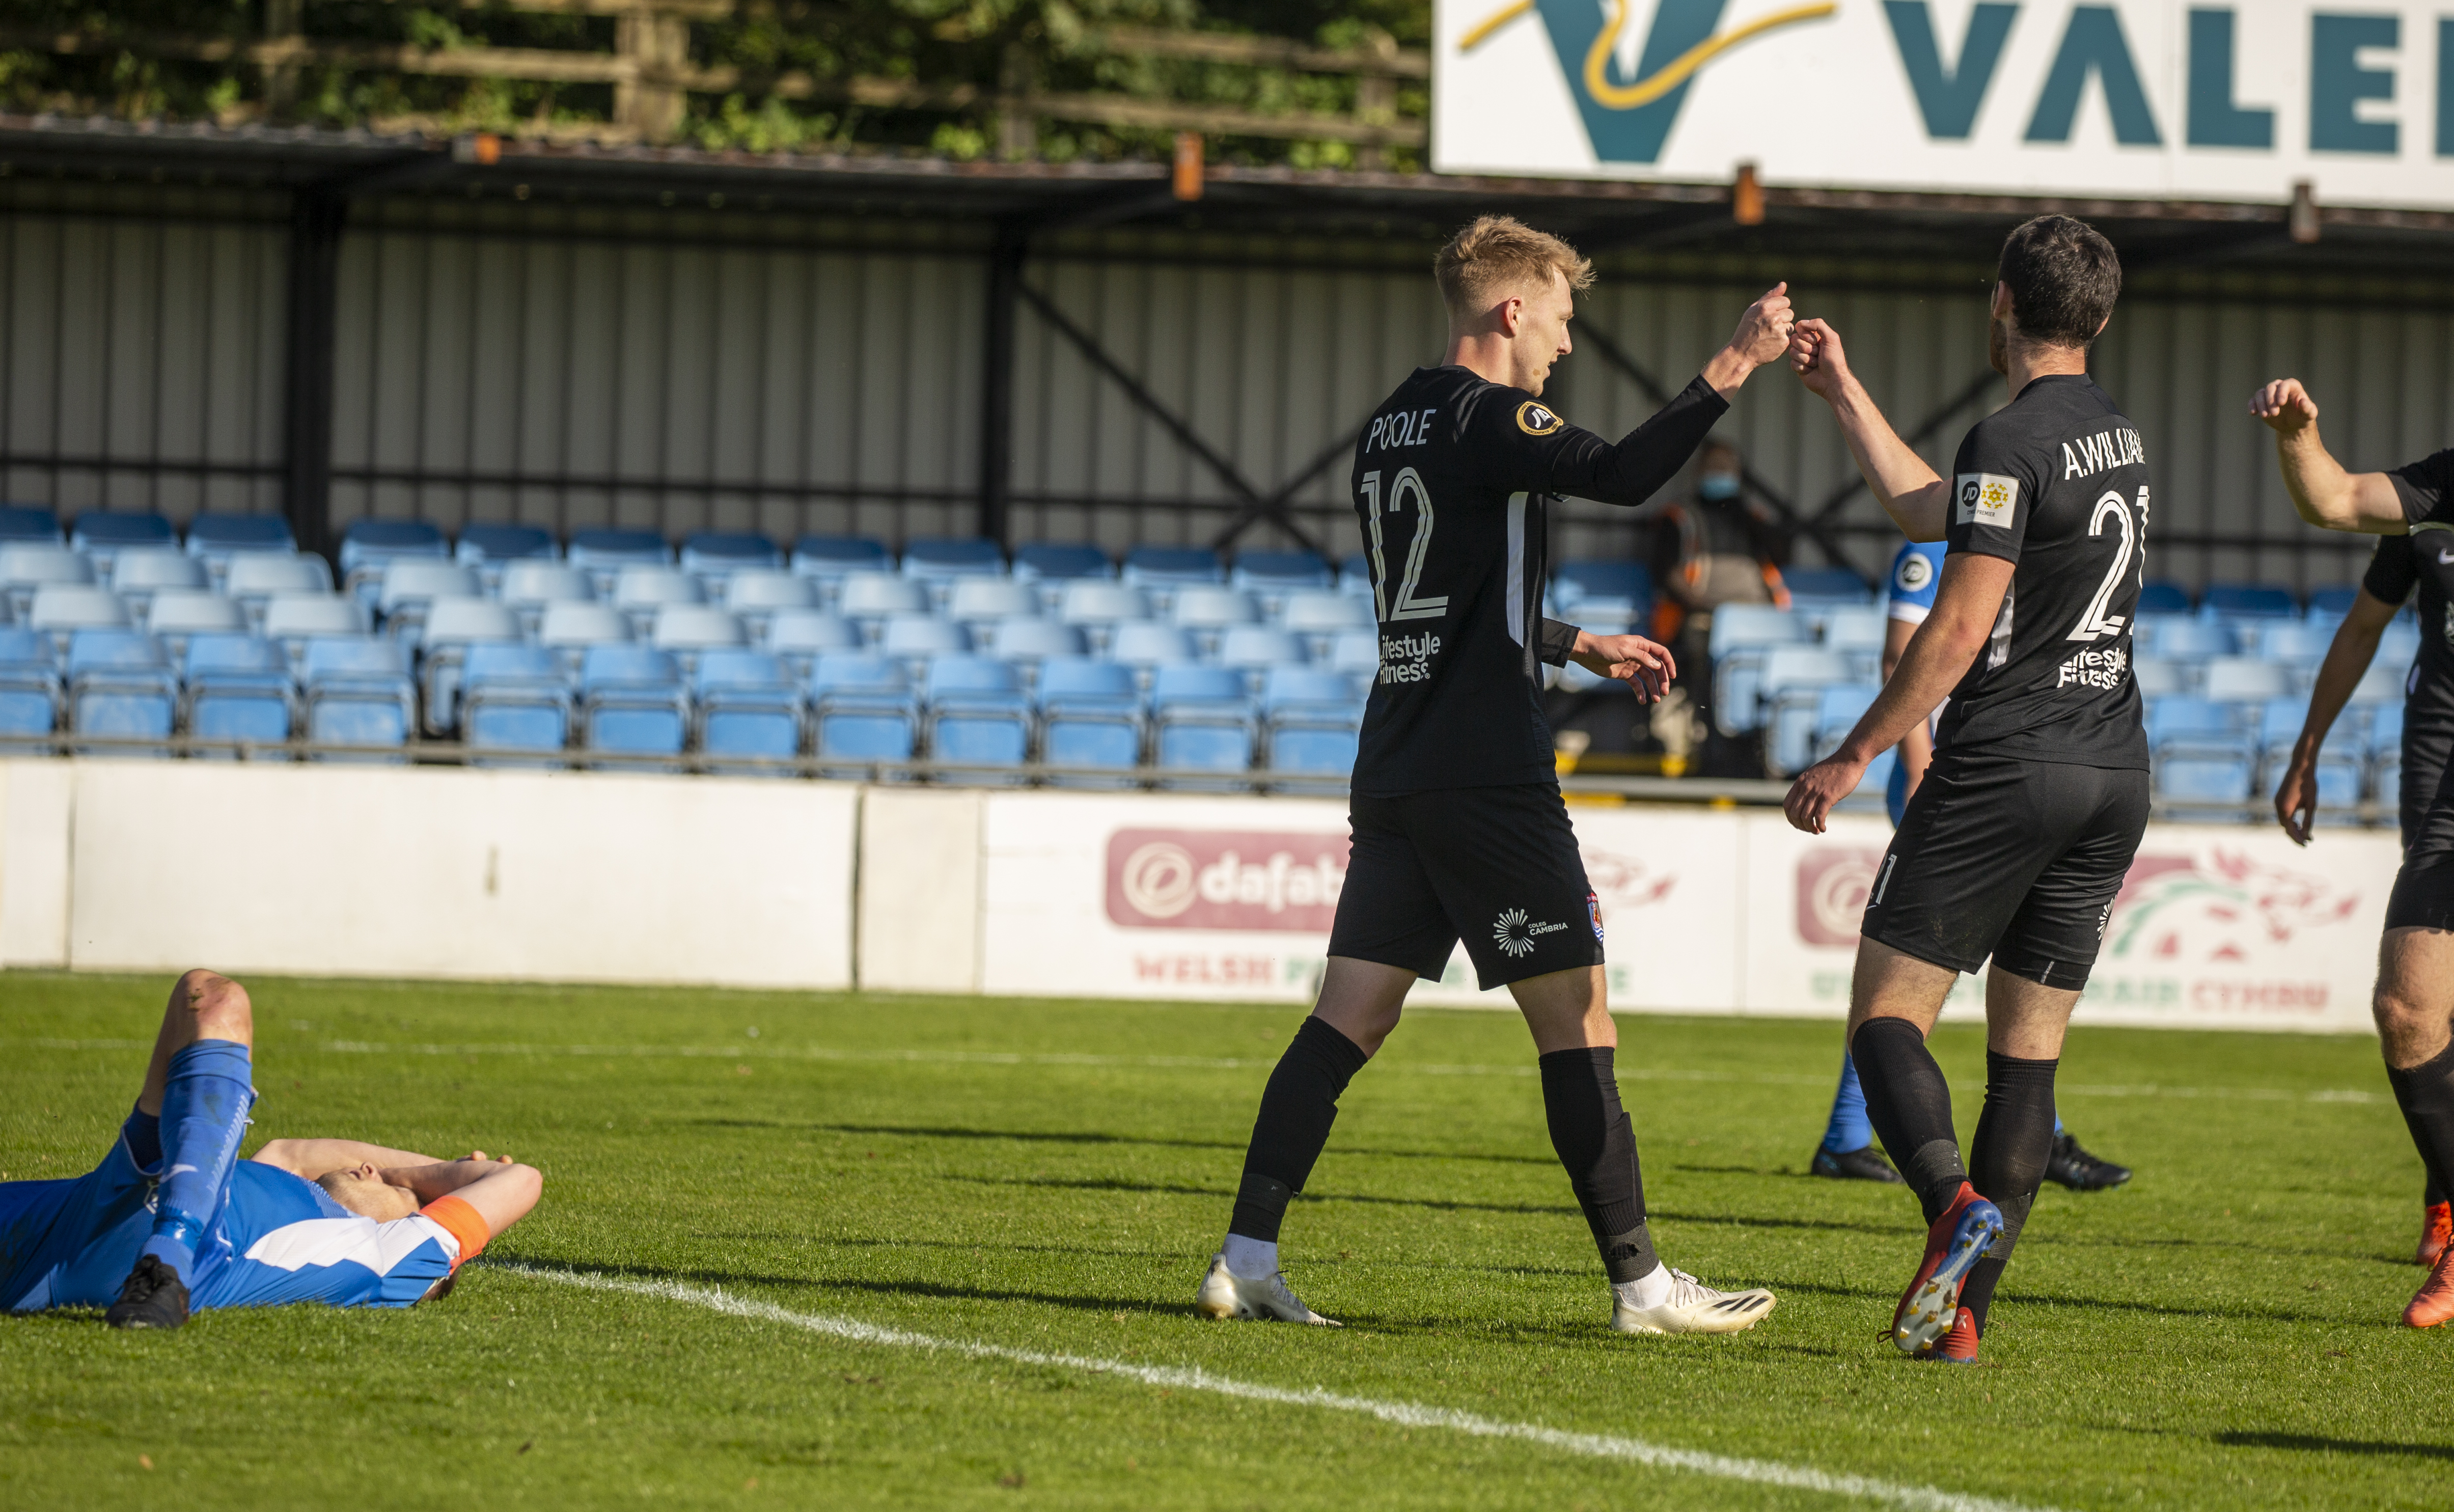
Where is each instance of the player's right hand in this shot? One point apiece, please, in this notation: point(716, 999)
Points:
point(1763, 330)
point(2286, 405)
point(1816, 357)
point(2296, 797)
point(1818, 788)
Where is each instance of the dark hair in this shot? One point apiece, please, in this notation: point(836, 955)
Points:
point(2064, 277)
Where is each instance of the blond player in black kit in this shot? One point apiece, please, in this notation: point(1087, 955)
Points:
point(1459, 829)
point(2017, 842)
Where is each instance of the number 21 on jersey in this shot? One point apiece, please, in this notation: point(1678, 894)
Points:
point(2113, 510)
point(1407, 486)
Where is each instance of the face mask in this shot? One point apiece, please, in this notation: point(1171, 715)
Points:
point(1715, 487)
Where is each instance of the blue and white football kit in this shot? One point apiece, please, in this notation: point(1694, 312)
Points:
point(267, 1236)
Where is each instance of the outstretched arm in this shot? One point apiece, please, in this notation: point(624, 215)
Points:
point(2323, 493)
point(313, 1158)
point(500, 1191)
point(2355, 646)
point(1965, 608)
point(1913, 493)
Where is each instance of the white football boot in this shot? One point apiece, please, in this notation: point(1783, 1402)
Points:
point(1224, 1294)
point(1693, 1308)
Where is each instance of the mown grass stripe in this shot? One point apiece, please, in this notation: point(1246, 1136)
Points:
point(1403, 1414)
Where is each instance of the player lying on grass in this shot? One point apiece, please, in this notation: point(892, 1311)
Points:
point(1459, 832)
point(173, 1220)
point(2016, 843)
point(2414, 1005)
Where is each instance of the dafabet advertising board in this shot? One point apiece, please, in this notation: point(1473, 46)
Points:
point(2132, 98)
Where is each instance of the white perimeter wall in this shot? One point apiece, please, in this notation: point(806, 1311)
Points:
point(443, 872)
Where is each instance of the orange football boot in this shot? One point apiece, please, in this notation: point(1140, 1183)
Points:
point(2435, 1302)
point(2436, 1232)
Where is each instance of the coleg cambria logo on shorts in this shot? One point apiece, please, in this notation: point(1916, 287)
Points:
point(1513, 932)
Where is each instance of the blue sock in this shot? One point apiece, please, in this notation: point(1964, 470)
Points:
point(203, 1116)
point(1850, 1129)
point(143, 1134)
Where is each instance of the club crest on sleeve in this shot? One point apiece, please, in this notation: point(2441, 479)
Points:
point(1534, 418)
point(1987, 498)
point(1593, 912)
point(1914, 573)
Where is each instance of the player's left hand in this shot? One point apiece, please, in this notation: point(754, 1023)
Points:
point(1644, 665)
point(1818, 789)
point(2286, 405)
point(1763, 332)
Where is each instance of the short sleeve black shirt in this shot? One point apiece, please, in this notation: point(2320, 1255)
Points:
point(2056, 483)
point(1452, 478)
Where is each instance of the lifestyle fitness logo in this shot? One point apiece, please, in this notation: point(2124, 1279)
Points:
point(1628, 112)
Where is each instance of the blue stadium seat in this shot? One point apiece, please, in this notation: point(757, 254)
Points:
point(2249, 601)
point(720, 553)
point(2399, 643)
point(2385, 732)
point(2244, 679)
point(357, 692)
point(1741, 637)
point(62, 610)
point(515, 705)
point(1091, 720)
point(868, 598)
point(2160, 597)
point(2203, 751)
point(915, 638)
point(1057, 562)
point(831, 558)
point(1142, 644)
point(529, 584)
point(1354, 574)
point(491, 546)
point(255, 578)
point(1203, 612)
point(979, 602)
point(27, 566)
point(1825, 585)
point(1253, 650)
point(30, 522)
point(1029, 642)
point(1792, 684)
point(144, 571)
point(238, 688)
point(2158, 678)
point(102, 535)
point(1356, 652)
point(1312, 717)
point(605, 552)
point(30, 692)
point(569, 628)
point(642, 592)
point(2189, 639)
point(1097, 609)
point(687, 631)
point(406, 588)
point(862, 711)
point(369, 545)
point(1170, 567)
point(1202, 721)
point(977, 716)
point(2300, 644)
point(294, 618)
point(453, 625)
point(120, 688)
point(758, 596)
point(2343, 761)
point(2383, 683)
point(1838, 709)
point(1318, 615)
point(177, 613)
point(1272, 575)
point(1858, 631)
point(633, 703)
point(747, 708)
point(213, 533)
point(799, 636)
point(961, 556)
point(2333, 603)
point(1574, 582)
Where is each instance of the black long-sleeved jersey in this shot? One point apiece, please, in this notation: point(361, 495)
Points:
point(1452, 481)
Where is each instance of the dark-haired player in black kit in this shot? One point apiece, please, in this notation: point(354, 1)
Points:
point(2413, 506)
point(1459, 829)
point(2018, 840)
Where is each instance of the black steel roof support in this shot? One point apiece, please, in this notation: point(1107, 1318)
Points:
point(316, 215)
point(997, 383)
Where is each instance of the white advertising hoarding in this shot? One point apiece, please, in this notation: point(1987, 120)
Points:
point(2125, 98)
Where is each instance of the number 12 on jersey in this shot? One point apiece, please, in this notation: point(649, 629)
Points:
point(1404, 604)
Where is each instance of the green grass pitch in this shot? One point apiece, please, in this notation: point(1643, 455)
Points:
point(1049, 1177)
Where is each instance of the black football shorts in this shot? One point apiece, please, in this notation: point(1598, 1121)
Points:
point(2424, 889)
point(2012, 858)
point(1497, 867)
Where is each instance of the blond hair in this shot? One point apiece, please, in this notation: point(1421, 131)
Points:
point(1500, 254)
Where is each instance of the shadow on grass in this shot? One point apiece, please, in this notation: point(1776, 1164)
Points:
point(2311, 1444)
point(2018, 1300)
point(1096, 1139)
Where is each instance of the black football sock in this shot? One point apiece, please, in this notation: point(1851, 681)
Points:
point(1297, 1107)
point(2015, 1138)
point(2431, 1194)
point(1910, 1106)
point(1596, 1144)
point(2426, 1094)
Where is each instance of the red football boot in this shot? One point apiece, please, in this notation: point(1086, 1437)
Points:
point(2436, 1232)
point(1958, 1347)
point(1930, 1308)
point(2435, 1302)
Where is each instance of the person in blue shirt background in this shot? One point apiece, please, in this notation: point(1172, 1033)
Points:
point(1848, 1152)
point(172, 1222)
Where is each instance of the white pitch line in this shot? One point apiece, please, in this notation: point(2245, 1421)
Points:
point(1403, 1414)
point(1004, 1057)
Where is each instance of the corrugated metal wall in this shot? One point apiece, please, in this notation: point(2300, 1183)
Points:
point(695, 370)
